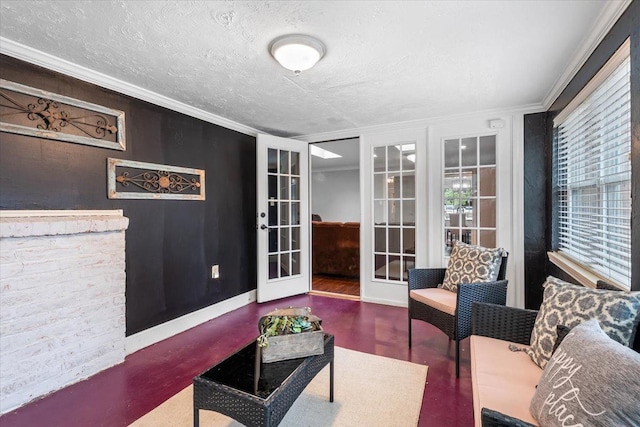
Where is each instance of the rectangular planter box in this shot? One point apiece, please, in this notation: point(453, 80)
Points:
point(284, 347)
point(294, 346)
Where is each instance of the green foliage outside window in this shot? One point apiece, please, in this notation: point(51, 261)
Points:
point(457, 197)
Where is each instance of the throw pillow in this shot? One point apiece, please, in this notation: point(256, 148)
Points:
point(471, 264)
point(561, 332)
point(590, 380)
point(567, 304)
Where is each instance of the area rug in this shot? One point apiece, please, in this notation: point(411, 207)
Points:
point(369, 391)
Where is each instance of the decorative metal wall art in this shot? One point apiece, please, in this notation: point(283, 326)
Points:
point(28, 111)
point(137, 180)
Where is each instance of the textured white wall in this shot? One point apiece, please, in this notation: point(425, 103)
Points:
point(62, 303)
point(336, 195)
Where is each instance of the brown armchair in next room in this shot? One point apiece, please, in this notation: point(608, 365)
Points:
point(336, 248)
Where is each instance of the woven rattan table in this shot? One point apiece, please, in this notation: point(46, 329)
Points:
point(230, 387)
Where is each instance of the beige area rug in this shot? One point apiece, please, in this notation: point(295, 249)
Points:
point(369, 391)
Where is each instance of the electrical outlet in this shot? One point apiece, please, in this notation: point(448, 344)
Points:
point(215, 272)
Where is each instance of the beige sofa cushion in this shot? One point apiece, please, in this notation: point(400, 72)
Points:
point(440, 299)
point(502, 380)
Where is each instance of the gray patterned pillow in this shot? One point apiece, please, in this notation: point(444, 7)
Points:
point(471, 264)
point(591, 380)
point(567, 304)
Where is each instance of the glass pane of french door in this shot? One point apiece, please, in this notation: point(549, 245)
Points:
point(470, 191)
point(394, 210)
point(283, 213)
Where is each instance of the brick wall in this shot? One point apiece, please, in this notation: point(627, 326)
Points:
point(62, 302)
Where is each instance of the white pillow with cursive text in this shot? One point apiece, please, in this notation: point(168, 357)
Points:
point(590, 380)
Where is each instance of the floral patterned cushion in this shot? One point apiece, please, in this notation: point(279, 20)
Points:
point(471, 264)
point(617, 312)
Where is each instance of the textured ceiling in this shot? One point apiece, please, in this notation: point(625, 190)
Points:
point(386, 61)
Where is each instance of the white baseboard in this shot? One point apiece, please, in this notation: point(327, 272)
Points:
point(168, 329)
point(384, 301)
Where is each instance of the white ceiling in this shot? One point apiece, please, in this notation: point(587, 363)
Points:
point(386, 61)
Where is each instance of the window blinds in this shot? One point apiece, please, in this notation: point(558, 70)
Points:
point(593, 187)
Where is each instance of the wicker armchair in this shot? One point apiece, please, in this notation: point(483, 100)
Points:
point(457, 326)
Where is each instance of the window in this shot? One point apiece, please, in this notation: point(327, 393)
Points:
point(593, 174)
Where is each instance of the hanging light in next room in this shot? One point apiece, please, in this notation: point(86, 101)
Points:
point(297, 52)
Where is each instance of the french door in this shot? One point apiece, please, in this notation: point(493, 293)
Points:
point(283, 217)
point(476, 198)
point(423, 189)
point(394, 188)
point(475, 192)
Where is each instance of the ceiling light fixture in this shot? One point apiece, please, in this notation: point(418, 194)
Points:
point(297, 52)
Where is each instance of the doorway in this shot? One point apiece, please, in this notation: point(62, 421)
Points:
point(335, 217)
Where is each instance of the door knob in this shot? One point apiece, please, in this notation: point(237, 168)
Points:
point(263, 227)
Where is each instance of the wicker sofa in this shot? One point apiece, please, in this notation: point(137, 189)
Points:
point(504, 381)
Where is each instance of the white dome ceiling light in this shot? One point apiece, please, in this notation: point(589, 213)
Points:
point(297, 52)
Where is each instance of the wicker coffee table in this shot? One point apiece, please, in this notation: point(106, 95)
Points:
point(230, 387)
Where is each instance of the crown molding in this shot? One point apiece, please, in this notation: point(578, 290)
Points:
point(45, 60)
point(420, 123)
point(611, 12)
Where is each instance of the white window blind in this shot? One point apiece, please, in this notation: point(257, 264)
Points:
point(593, 167)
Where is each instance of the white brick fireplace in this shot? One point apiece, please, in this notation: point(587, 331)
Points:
point(62, 299)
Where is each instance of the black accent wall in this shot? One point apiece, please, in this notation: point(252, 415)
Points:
point(170, 244)
point(539, 151)
point(535, 206)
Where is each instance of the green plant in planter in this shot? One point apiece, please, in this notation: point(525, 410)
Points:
point(274, 325)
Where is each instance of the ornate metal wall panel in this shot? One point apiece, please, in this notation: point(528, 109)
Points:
point(28, 111)
point(137, 180)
